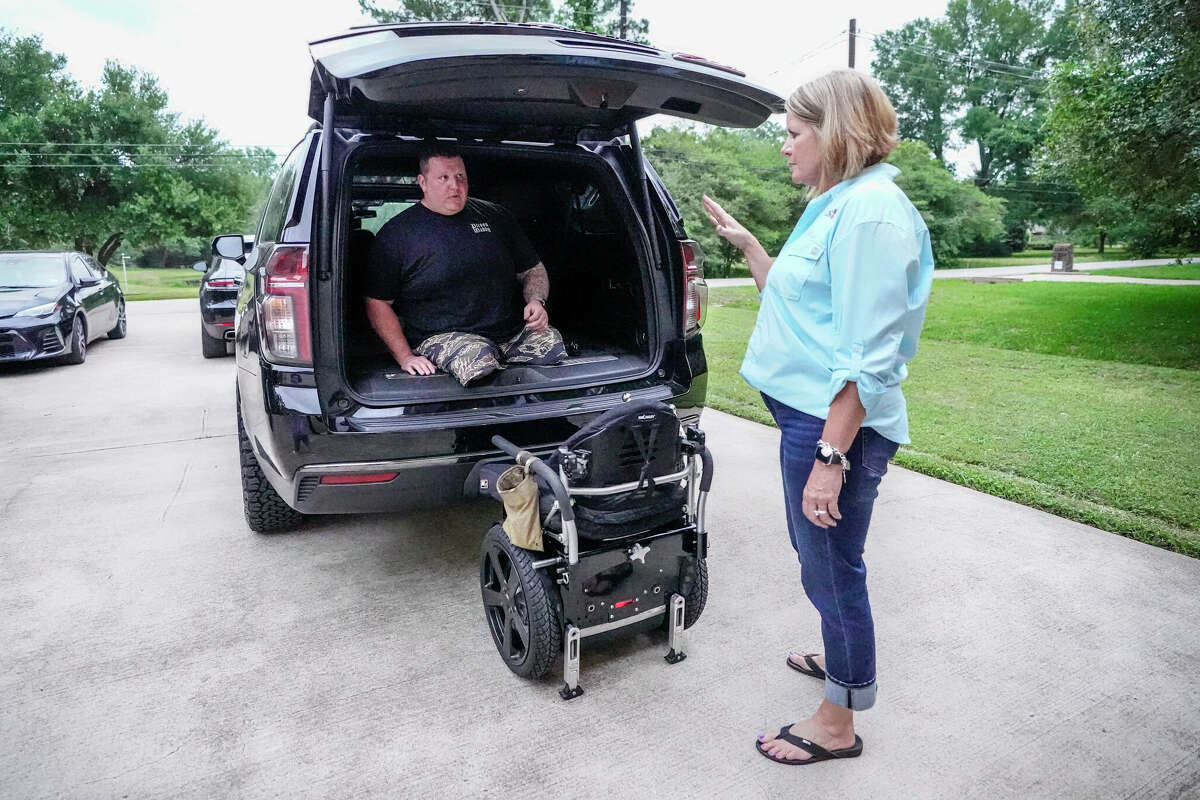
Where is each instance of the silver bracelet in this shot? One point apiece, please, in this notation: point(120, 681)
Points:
point(828, 454)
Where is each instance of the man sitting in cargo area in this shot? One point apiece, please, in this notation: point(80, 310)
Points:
point(463, 277)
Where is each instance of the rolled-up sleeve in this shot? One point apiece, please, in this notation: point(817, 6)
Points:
point(870, 270)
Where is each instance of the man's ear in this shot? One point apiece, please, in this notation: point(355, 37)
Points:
point(421, 181)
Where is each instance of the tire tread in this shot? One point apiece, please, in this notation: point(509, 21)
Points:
point(266, 511)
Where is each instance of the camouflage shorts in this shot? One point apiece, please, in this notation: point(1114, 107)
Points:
point(469, 356)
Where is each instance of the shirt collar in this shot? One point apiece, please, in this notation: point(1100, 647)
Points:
point(875, 172)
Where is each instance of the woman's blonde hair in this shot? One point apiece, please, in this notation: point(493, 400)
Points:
point(854, 121)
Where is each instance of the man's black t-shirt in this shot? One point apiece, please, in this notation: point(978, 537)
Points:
point(452, 273)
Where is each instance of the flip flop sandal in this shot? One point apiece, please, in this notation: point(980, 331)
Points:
point(817, 752)
point(813, 670)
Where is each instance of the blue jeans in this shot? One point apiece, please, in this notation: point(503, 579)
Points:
point(831, 564)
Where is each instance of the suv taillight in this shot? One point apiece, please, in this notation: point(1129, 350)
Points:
point(695, 290)
point(285, 325)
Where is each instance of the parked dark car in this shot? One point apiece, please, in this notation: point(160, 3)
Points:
point(52, 304)
point(218, 300)
point(545, 117)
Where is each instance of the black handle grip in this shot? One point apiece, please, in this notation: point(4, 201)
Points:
point(706, 479)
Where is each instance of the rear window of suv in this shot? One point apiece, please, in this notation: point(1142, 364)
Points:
point(383, 213)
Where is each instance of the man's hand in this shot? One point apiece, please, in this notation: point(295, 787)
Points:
point(536, 318)
point(414, 364)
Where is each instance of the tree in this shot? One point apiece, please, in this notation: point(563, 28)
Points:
point(1123, 124)
point(745, 173)
point(980, 72)
point(86, 169)
point(742, 170)
point(957, 213)
point(924, 89)
point(595, 16)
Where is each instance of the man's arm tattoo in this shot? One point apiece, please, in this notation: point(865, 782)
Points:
point(535, 283)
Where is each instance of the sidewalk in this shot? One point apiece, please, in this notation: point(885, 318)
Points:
point(1029, 270)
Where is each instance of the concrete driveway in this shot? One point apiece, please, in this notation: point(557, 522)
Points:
point(152, 646)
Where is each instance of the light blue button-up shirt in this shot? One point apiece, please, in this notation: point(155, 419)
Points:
point(845, 301)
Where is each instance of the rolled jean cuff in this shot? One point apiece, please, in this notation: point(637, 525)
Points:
point(855, 698)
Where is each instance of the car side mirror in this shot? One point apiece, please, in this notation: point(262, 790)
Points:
point(200, 266)
point(230, 246)
point(89, 281)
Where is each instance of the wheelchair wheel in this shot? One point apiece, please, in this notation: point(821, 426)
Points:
point(693, 585)
point(521, 606)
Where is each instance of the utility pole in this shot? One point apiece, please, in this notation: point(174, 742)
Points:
point(125, 272)
point(853, 33)
point(624, 19)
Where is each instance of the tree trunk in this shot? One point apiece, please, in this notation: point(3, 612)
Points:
point(1102, 234)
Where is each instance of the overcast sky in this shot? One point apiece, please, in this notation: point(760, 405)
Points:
point(243, 65)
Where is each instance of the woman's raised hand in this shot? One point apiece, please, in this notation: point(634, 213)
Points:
point(727, 227)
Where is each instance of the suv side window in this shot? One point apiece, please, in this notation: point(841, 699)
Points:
point(280, 202)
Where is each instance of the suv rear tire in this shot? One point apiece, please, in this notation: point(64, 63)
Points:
point(266, 511)
point(212, 348)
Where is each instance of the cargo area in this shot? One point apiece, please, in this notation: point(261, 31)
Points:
point(579, 218)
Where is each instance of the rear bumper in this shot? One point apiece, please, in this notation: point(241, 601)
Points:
point(310, 466)
point(417, 483)
point(217, 317)
point(426, 461)
point(31, 342)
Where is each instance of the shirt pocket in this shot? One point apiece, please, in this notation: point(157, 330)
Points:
point(802, 262)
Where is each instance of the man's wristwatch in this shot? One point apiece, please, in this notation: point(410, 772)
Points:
point(828, 454)
point(541, 300)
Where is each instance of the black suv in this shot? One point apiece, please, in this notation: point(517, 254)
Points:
point(328, 423)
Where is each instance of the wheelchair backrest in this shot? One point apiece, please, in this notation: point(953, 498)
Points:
point(629, 443)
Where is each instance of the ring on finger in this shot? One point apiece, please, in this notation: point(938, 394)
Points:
point(818, 511)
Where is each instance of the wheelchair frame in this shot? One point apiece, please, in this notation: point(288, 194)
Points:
point(697, 472)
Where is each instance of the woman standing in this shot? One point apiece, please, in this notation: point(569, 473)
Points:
point(842, 308)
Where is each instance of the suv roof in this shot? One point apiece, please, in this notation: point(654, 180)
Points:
point(519, 81)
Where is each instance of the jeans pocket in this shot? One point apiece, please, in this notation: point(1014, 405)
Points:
point(876, 452)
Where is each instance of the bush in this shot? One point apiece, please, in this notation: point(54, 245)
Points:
point(957, 212)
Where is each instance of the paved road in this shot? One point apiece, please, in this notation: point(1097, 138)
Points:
point(154, 647)
point(1036, 270)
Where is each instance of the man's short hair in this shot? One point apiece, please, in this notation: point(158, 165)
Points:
point(436, 149)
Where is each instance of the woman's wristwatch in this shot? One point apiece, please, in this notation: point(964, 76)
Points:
point(830, 455)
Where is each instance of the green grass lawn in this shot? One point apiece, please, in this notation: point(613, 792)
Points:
point(158, 284)
point(1029, 257)
point(1083, 255)
point(1178, 272)
point(1039, 393)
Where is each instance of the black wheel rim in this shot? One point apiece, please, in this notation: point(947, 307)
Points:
point(505, 604)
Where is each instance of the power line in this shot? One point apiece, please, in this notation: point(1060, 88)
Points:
point(832, 41)
point(132, 144)
point(93, 165)
point(969, 62)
